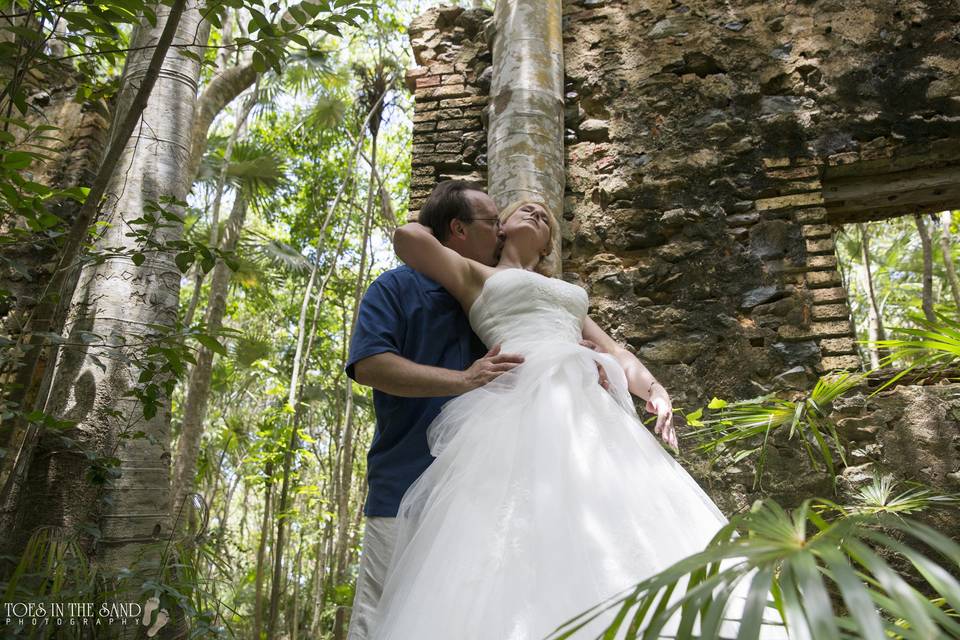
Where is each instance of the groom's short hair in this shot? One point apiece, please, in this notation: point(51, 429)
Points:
point(447, 201)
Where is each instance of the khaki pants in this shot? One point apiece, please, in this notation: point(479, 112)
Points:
point(379, 539)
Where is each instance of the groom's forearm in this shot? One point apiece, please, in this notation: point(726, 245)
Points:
point(394, 374)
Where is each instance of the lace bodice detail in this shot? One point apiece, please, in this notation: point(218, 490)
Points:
point(517, 307)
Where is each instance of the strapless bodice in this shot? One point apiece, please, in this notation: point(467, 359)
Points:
point(517, 307)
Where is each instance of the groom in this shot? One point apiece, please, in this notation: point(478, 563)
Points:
point(414, 346)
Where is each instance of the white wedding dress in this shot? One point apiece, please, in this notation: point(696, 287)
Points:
point(547, 495)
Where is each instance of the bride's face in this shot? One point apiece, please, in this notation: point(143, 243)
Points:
point(530, 220)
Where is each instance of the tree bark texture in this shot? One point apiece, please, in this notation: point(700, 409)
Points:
point(118, 300)
point(198, 385)
point(525, 135)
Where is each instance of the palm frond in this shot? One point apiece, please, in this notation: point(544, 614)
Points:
point(744, 428)
point(786, 565)
point(934, 345)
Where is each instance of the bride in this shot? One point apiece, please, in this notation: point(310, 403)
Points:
point(547, 494)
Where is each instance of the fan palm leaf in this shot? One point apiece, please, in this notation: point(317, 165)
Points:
point(792, 562)
point(737, 426)
point(934, 345)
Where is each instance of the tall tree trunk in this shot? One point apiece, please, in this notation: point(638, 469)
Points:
point(241, 118)
point(198, 387)
point(927, 296)
point(946, 246)
point(346, 446)
point(525, 136)
point(120, 300)
point(261, 553)
point(318, 576)
point(295, 615)
point(145, 66)
point(875, 330)
point(281, 527)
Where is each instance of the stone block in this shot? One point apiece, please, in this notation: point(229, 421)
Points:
point(444, 91)
point(836, 363)
point(455, 103)
point(834, 329)
point(438, 159)
point(427, 81)
point(450, 147)
point(823, 245)
point(838, 346)
point(793, 173)
point(830, 311)
point(773, 163)
point(460, 124)
point(816, 215)
point(820, 263)
point(440, 68)
point(795, 200)
point(818, 279)
point(817, 231)
point(848, 157)
point(823, 296)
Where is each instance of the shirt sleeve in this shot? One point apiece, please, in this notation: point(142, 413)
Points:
point(380, 324)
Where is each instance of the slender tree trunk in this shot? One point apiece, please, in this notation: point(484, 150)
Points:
point(346, 448)
point(875, 330)
point(198, 387)
point(261, 553)
point(946, 246)
point(121, 300)
point(295, 615)
point(318, 577)
point(281, 527)
point(525, 136)
point(927, 299)
point(238, 126)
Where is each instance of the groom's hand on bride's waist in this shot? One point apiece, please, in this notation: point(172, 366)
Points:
point(602, 375)
point(488, 368)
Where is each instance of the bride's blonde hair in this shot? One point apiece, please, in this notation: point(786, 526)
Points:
point(543, 266)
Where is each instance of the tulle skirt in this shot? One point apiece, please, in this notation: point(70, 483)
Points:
point(547, 496)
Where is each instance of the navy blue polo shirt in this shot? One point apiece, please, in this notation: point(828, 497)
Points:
point(407, 313)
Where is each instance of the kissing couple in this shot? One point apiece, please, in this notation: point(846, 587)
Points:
point(512, 485)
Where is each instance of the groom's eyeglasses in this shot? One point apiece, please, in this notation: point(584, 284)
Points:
point(495, 220)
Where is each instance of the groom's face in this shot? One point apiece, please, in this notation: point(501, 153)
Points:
point(483, 236)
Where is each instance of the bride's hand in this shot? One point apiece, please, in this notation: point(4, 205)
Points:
point(659, 403)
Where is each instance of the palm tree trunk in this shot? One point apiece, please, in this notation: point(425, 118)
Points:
point(946, 246)
point(875, 330)
point(525, 137)
point(198, 387)
point(927, 299)
point(121, 301)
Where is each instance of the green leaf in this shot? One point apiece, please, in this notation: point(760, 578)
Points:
point(211, 343)
point(184, 260)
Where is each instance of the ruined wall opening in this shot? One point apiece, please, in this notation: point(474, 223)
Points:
point(895, 223)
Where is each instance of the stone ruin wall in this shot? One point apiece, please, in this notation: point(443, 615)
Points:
point(712, 151)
